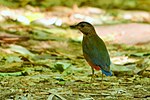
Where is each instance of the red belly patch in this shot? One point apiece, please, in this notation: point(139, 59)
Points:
point(94, 66)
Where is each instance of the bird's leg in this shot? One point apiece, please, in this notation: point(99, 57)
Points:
point(102, 77)
point(93, 76)
point(102, 85)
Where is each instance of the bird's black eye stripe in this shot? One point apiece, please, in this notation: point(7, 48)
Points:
point(82, 25)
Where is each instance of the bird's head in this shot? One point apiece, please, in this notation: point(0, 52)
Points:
point(85, 27)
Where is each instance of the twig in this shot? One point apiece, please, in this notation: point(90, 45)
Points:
point(55, 94)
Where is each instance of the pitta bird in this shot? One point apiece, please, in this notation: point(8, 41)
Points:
point(94, 49)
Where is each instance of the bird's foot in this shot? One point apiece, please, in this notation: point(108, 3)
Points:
point(93, 76)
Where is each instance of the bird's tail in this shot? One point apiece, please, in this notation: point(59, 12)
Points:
point(107, 73)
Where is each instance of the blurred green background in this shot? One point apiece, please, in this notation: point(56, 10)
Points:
point(106, 4)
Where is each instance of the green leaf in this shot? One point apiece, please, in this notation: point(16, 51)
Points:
point(61, 66)
point(122, 68)
point(11, 74)
point(140, 54)
point(11, 59)
point(21, 50)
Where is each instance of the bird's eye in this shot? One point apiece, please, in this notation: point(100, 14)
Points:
point(82, 25)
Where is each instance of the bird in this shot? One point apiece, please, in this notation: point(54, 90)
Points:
point(94, 49)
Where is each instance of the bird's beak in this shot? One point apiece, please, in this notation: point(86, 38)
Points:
point(73, 26)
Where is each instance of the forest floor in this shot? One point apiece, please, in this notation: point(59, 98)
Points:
point(46, 63)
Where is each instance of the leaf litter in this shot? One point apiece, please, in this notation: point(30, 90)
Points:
point(50, 65)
